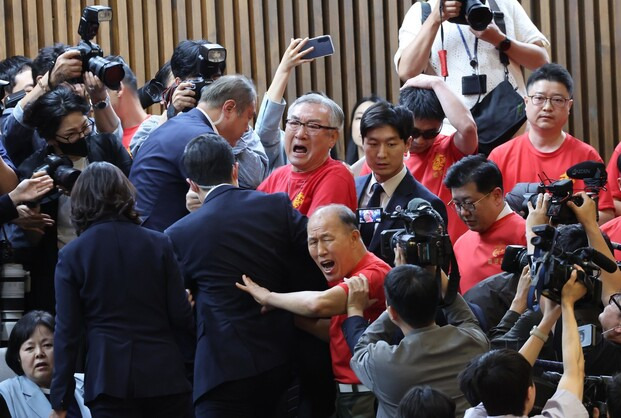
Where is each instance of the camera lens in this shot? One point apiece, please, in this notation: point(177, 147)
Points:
point(110, 73)
point(478, 15)
point(66, 177)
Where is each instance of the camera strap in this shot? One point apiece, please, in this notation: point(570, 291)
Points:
point(474, 63)
point(499, 19)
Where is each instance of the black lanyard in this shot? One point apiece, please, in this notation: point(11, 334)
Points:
point(473, 59)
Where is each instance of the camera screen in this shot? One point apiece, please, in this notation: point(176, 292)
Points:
point(369, 215)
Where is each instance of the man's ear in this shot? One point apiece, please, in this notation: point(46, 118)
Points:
point(229, 106)
point(392, 314)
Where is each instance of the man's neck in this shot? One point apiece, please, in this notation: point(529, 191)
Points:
point(546, 141)
point(132, 114)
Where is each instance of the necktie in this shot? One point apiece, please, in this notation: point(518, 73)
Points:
point(367, 230)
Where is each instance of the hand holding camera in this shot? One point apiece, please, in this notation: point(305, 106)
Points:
point(68, 66)
point(586, 213)
point(184, 97)
point(491, 34)
point(450, 10)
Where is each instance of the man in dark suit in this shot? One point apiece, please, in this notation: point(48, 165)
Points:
point(385, 130)
point(242, 357)
point(226, 107)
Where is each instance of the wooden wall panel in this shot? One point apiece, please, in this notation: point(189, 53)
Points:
point(584, 37)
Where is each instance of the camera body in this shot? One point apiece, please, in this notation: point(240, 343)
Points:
point(109, 72)
point(60, 169)
point(423, 239)
point(515, 259)
point(552, 267)
point(562, 192)
point(473, 13)
point(211, 63)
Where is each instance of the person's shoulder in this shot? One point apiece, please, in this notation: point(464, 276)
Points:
point(564, 404)
point(507, 147)
point(612, 226)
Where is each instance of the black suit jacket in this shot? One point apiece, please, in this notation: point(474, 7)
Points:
point(239, 232)
point(121, 284)
point(408, 189)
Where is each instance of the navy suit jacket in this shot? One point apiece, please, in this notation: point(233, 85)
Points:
point(158, 173)
point(408, 189)
point(238, 232)
point(121, 284)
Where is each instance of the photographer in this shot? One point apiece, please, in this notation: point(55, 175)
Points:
point(604, 356)
point(54, 66)
point(502, 380)
point(391, 367)
point(419, 44)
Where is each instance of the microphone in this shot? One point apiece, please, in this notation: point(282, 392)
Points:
point(588, 170)
point(601, 260)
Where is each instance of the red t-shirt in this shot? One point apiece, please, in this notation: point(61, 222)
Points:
point(520, 162)
point(430, 168)
point(330, 183)
point(480, 255)
point(375, 270)
point(613, 173)
point(612, 228)
point(128, 133)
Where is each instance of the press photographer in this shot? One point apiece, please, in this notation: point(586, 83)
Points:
point(602, 354)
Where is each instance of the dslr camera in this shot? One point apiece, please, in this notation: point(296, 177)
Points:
point(473, 13)
point(211, 62)
point(109, 72)
point(60, 169)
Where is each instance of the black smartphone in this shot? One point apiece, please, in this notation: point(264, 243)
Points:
point(13, 99)
point(370, 215)
point(323, 47)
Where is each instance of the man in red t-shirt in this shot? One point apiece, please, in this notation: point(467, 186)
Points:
point(546, 150)
point(613, 174)
point(478, 198)
point(335, 245)
point(431, 153)
point(312, 179)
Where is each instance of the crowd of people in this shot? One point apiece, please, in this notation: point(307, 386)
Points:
point(190, 265)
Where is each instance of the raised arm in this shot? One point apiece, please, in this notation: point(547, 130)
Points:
point(466, 139)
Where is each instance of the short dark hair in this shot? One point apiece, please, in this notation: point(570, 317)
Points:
point(413, 293)
point(423, 103)
point(474, 168)
point(47, 112)
point(386, 114)
point(613, 403)
point(45, 60)
point(130, 78)
point(500, 379)
point(184, 60)
point(573, 236)
point(11, 67)
point(552, 72)
point(425, 402)
point(22, 331)
point(208, 160)
point(102, 191)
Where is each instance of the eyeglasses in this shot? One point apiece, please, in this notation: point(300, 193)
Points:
point(311, 127)
point(556, 101)
point(469, 206)
point(86, 129)
point(613, 299)
point(428, 134)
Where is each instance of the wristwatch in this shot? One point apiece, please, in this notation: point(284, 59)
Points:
point(537, 333)
point(504, 45)
point(101, 105)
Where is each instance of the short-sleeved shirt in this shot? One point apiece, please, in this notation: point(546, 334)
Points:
point(330, 183)
point(375, 270)
point(520, 162)
point(563, 404)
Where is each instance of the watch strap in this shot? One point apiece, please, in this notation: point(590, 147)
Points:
point(537, 333)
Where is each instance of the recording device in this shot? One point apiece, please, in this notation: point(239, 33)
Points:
point(587, 335)
point(594, 175)
point(152, 92)
point(211, 62)
point(474, 84)
point(370, 215)
point(322, 47)
point(552, 267)
point(424, 239)
point(109, 72)
point(547, 375)
point(473, 13)
point(12, 99)
point(515, 259)
point(60, 169)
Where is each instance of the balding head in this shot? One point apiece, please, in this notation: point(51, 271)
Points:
point(334, 241)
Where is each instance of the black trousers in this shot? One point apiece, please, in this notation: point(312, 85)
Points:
point(105, 406)
point(261, 396)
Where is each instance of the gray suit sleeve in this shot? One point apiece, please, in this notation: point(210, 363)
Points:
point(268, 129)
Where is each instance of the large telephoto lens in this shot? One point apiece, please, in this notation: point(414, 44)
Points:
point(110, 73)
